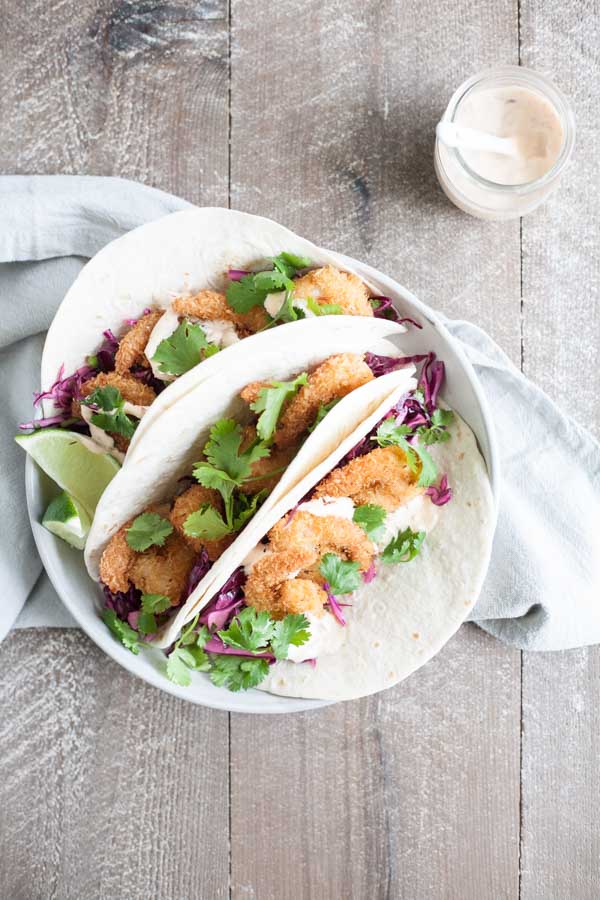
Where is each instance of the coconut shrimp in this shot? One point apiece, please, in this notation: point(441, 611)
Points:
point(265, 472)
point(212, 305)
point(131, 389)
point(191, 501)
point(332, 286)
point(133, 344)
point(382, 477)
point(333, 379)
point(287, 579)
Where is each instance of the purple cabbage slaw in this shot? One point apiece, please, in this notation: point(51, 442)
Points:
point(385, 309)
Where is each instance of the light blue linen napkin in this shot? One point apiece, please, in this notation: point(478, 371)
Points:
point(542, 591)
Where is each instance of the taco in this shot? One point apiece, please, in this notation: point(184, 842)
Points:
point(173, 295)
point(236, 443)
point(345, 582)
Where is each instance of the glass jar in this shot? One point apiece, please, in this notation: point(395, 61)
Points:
point(487, 199)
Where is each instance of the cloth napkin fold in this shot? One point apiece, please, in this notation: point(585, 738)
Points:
point(542, 591)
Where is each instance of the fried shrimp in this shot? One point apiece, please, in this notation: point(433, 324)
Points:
point(133, 344)
point(287, 579)
point(164, 570)
point(117, 561)
point(212, 305)
point(332, 286)
point(332, 380)
point(131, 389)
point(323, 534)
point(381, 477)
point(191, 501)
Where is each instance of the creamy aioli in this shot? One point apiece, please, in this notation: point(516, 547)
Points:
point(274, 302)
point(326, 636)
point(100, 441)
point(218, 331)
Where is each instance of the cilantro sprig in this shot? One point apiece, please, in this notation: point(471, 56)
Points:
point(148, 530)
point(108, 413)
point(371, 519)
point(252, 290)
point(437, 432)
point(188, 655)
point(183, 349)
point(257, 632)
point(419, 460)
point(270, 401)
point(342, 576)
point(152, 605)
point(238, 673)
point(404, 547)
point(121, 630)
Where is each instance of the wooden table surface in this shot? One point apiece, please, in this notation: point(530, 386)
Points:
point(476, 778)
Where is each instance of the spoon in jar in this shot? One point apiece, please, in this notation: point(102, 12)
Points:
point(463, 138)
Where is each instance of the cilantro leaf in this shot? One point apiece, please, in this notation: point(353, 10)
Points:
point(203, 636)
point(121, 630)
point(206, 523)
point(271, 282)
point(341, 575)
point(293, 629)
point(112, 416)
point(243, 295)
point(289, 263)
point(389, 434)
point(287, 311)
point(405, 546)
point(147, 623)
point(244, 507)
point(437, 433)
point(223, 450)
point(155, 603)
point(182, 659)
point(325, 309)
point(270, 401)
point(249, 630)
point(148, 530)
point(324, 408)
point(183, 349)
point(371, 519)
point(238, 672)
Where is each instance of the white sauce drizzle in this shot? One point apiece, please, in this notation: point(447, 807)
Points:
point(326, 636)
point(100, 441)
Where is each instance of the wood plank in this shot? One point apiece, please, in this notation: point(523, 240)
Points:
point(135, 90)
point(337, 143)
point(561, 327)
point(110, 788)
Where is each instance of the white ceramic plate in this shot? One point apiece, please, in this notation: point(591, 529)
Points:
point(83, 599)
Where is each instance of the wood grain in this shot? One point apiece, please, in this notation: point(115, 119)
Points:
point(561, 330)
point(379, 798)
point(110, 788)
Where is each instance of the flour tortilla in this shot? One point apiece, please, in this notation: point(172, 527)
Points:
point(168, 450)
point(402, 618)
point(179, 254)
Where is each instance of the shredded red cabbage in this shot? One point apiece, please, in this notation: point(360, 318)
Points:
point(334, 606)
point(440, 494)
point(132, 322)
point(122, 603)
point(381, 365)
point(216, 645)
point(105, 356)
point(223, 606)
point(385, 309)
point(370, 574)
point(236, 274)
point(312, 662)
point(199, 570)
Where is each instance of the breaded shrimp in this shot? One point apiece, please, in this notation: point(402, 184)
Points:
point(133, 344)
point(131, 389)
point(381, 477)
point(297, 595)
point(329, 285)
point(323, 534)
point(117, 561)
point(205, 305)
point(332, 380)
point(191, 501)
point(164, 570)
point(263, 585)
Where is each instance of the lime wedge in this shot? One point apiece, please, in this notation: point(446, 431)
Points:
point(67, 520)
point(65, 458)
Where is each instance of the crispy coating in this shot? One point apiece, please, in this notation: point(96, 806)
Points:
point(250, 393)
point(133, 344)
point(287, 580)
point(381, 477)
point(213, 305)
point(323, 534)
point(205, 305)
point(191, 501)
point(117, 561)
point(131, 389)
point(332, 380)
point(164, 570)
point(331, 285)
